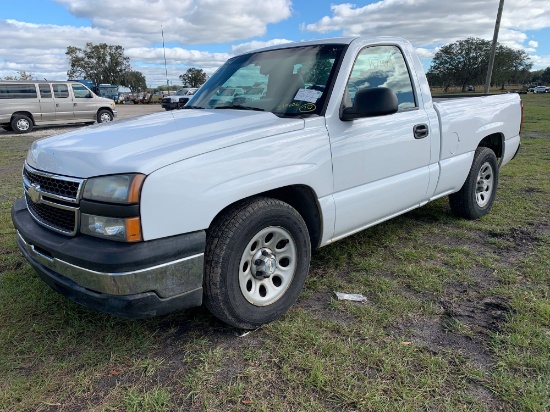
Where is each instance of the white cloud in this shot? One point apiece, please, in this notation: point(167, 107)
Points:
point(183, 21)
point(253, 45)
point(540, 61)
point(431, 22)
point(136, 25)
point(533, 44)
point(425, 53)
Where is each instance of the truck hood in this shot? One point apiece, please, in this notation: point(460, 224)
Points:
point(147, 143)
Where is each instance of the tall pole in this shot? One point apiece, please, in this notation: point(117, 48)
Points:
point(493, 48)
point(165, 68)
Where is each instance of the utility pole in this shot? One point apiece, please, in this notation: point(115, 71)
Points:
point(493, 48)
point(165, 68)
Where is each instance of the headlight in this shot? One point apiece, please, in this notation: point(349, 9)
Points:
point(114, 189)
point(113, 228)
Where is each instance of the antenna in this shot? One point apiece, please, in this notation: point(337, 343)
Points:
point(165, 68)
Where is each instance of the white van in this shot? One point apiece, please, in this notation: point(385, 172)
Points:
point(25, 104)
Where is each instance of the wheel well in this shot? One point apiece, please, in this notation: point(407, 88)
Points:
point(105, 108)
point(28, 114)
point(301, 198)
point(495, 142)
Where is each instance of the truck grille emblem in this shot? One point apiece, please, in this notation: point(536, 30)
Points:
point(33, 192)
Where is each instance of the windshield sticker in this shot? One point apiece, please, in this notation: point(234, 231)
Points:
point(308, 95)
point(308, 107)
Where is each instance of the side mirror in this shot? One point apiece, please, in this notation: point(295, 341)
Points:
point(379, 101)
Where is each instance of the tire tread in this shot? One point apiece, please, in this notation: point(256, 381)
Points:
point(219, 239)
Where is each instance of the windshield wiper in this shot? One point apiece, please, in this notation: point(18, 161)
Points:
point(192, 107)
point(240, 107)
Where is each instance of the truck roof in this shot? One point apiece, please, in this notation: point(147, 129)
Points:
point(334, 40)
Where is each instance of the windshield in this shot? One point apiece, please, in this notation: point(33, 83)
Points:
point(286, 82)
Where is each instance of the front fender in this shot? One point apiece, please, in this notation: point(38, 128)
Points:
point(186, 196)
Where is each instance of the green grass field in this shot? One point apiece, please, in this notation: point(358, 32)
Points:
point(457, 319)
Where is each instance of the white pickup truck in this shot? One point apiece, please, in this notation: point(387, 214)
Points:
point(222, 203)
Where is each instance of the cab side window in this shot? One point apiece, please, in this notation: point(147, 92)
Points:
point(60, 91)
point(383, 66)
point(45, 91)
point(81, 91)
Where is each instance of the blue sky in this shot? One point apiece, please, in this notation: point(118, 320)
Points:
point(204, 33)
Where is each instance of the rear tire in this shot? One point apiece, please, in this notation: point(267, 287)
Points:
point(477, 195)
point(21, 124)
point(257, 260)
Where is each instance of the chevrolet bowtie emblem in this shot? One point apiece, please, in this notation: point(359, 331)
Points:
point(34, 193)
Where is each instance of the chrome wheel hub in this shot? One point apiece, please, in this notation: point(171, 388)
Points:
point(264, 264)
point(105, 118)
point(267, 266)
point(23, 124)
point(484, 184)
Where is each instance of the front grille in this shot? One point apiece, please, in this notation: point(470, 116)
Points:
point(52, 200)
point(53, 185)
point(166, 100)
point(64, 220)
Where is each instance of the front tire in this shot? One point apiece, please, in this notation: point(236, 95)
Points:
point(257, 260)
point(477, 195)
point(104, 116)
point(21, 124)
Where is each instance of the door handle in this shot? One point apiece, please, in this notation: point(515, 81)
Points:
point(421, 131)
point(74, 104)
point(57, 105)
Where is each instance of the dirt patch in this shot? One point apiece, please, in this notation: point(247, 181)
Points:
point(469, 312)
point(518, 236)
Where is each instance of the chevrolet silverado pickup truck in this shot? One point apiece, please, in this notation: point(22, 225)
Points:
point(222, 203)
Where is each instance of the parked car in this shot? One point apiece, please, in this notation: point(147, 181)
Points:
point(158, 96)
point(225, 96)
point(25, 104)
point(224, 207)
point(179, 99)
point(254, 93)
point(540, 89)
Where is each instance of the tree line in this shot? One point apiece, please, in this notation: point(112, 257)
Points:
point(465, 62)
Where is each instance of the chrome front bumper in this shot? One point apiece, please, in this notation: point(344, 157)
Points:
point(167, 279)
point(132, 280)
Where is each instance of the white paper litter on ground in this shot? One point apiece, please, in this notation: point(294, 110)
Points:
point(355, 297)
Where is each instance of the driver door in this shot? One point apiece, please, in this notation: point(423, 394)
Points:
point(380, 167)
